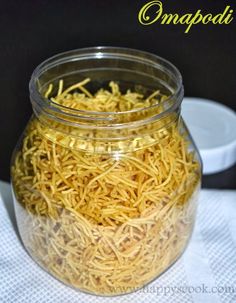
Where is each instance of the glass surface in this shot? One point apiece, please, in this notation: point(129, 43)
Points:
point(105, 201)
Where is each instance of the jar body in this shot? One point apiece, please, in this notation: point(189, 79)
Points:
point(105, 222)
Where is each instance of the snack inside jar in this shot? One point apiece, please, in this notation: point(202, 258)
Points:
point(106, 182)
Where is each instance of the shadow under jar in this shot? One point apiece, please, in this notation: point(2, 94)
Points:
point(105, 176)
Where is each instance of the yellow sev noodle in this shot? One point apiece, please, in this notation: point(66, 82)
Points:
point(103, 224)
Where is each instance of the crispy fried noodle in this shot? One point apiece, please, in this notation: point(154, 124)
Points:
point(98, 222)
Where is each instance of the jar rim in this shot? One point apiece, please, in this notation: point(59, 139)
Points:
point(100, 52)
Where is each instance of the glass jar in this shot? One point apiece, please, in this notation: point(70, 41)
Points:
point(105, 200)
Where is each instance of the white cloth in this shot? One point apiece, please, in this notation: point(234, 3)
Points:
point(206, 273)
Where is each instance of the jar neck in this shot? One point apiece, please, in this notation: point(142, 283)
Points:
point(135, 69)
